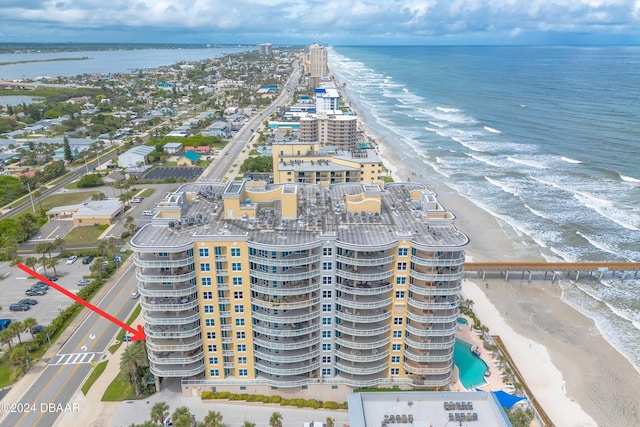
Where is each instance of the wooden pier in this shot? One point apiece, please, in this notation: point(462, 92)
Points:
point(553, 268)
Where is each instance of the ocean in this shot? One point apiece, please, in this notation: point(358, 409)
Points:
point(546, 139)
point(101, 62)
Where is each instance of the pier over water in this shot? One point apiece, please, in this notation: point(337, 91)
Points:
point(553, 268)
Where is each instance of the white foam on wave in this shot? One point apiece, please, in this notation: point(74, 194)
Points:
point(448, 109)
point(598, 244)
point(629, 179)
point(530, 163)
point(486, 160)
point(492, 130)
point(538, 213)
point(501, 185)
point(568, 160)
point(436, 124)
point(613, 212)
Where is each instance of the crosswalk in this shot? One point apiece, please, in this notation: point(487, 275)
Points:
point(74, 358)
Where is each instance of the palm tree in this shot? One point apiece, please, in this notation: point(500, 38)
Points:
point(15, 328)
point(275, 420)
point(111, 246)
point(213, 419)
point(182, 417)
point(159, 412)
point(19, 356)
point(133, 357)
point(6, 337)
point(51, 263)
point(248, 424)
point(31, 262)
point(330, 422)
point(28, 324)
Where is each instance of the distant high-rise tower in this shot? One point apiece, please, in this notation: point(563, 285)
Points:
point(318, 64)
point(265, 49)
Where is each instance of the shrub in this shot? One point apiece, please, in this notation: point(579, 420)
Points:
point(330, 405)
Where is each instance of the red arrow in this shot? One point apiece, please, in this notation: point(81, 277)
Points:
point(138, 335)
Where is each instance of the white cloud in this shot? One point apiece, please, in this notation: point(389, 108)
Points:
point(342, 20)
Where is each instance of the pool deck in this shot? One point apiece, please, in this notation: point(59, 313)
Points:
point(494, 381)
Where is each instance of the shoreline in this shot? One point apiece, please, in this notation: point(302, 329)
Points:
point(586, 381)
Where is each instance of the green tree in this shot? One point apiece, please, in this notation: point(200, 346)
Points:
point(212, 419)
point(275, 420)
point(15, 328)
point(19, 357)
point(90, 180)
point(182, 417)
point(28, 324)
point(133, 357)
point(6, 337)
point(159, 412)
point(68, 156)
point(248, 424)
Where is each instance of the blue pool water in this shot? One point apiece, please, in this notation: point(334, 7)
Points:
point(462, 320)
point(471, 368)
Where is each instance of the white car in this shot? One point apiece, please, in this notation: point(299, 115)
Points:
point(72, 259)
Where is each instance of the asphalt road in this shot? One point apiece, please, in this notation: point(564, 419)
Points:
point(66, 371)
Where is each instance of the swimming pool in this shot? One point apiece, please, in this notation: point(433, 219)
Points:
point(462, 320)
point(471, 368)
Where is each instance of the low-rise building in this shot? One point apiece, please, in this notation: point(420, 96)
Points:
point(135, 156)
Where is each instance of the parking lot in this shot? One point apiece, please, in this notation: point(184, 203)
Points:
point(184, 172)
point(16, 282)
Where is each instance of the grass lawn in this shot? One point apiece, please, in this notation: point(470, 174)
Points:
point(63, 199)
point(170, 164)
point(5, 375)
point(134, 315)
point(120, 389)
point(148, 192)
point(95, 374)
point(80, 235)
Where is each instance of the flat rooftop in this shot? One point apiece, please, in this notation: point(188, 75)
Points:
point(321, 213)
point(425, 409)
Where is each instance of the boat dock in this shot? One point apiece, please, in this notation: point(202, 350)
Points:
point(553, 268)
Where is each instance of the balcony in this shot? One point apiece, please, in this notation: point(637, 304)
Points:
point(361, 355)
point(287, 369)
point(169, 317)
point(146, 261)
point(429, 343)
point(294, 343)
point(365, 258)
point(436, 303)
point(437, 262)
point(170, 304)
point(364, 288)
point(176, 278)
point(178, 371)
point(430, 317)
point(369, 343)
point(365, 274)
point(172, 331)
point(432, 277)
point(432, 381)
point(356, 368)
point(189, 344)
point(445, 289)
point(363, 316)
point(284, 316)
point(363, 330)
point(292, 274)
point(428, 369)
point(286, 330)
point(165, 291)
point(299, 288)
point(429, 356)
point(292, 260)
point(292, 356)
point(175, 358)
point(289, 302)
point(363, 302)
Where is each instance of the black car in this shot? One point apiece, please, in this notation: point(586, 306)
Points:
point(37, 329)
point(52, 278)
point(35, 292)
point(19, 307)
point(28, 301)
point(87, 259)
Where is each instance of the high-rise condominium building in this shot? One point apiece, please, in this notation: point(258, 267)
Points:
point(330, 129)
point(265, 49)
point(247, 286)
point(317, 64)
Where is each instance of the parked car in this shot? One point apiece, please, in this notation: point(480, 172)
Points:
point(72, 259)
point(35, 292)
point(135, 294)
point(28, 301)
point(52, 278)
point(117, 258)
point(19, 307)
point(84, 282)
point(87, 260)
point(105, 263)
point(37, 329)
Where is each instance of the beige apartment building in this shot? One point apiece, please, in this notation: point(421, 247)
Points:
point(300, 287)
point(330, 129)
point(313, 163)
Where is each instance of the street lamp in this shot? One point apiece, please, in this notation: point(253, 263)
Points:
point(85, 164)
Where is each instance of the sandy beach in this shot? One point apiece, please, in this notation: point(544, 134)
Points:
point(577, 376)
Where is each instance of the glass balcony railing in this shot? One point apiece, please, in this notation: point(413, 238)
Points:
point(428, 369)
point(177, 278)
point(177, 370)
point(289, 261)
point(170, 304)
point(363, 316)
point(169, 317)
point(286, 356)
point(363, 330)
point(288, 302)
point(289, 275)
point(286, 330)
point(166, 291)
point(162, 262)
point(294, 343)
point(361, 355)
point(287, 369)
point(174, 358)
point(428, 343)
point(432, 277)
point(369, 343)
point(183, 345)
point(356, 368)
point(444, 355)
point(433, 303)
point(169, 331)
point(364, 288)
point(286, 290)
point(291, 316)
point(366, 259)
point(446, 289)
point(363, 302)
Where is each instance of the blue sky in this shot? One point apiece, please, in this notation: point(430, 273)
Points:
point(333, 22)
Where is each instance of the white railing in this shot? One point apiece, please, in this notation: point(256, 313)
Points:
point(364, 291)
point(432, 290)
point(285, 332)
point(165, 320)
point(363, 318)
point(166, 278)
point(433, 305)
point(275, 345)
point(357, 356)
point(272, 370)
point(170, 360)
point(433, 277)
point(169, 292)
point(285, 358)
point(363, 277)
point(363, 345)
point(160, 263)
point(186, 372)
point(362, 304)
point(286, 275)
point(284, 318)
point(285, 305)
point(358, 369)
point(365, 261)
point(361, 332)
point(286, 290)
point(437, 262)
point(178, 306)
point(290, 261)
